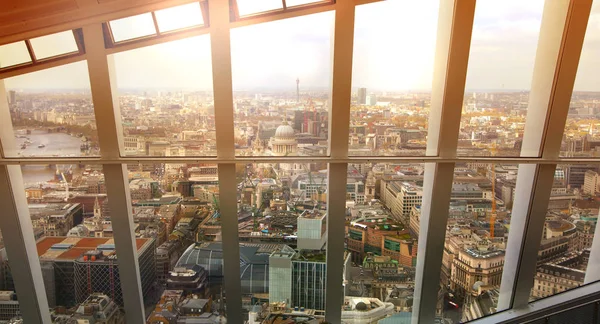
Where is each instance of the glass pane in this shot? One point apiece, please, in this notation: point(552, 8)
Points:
point(382, 238)
point(53, 45)
point(132, 27)
point(503, 48)
point(582, 130)
point(568, 230)
point(166, 99)
point(250, 7)
point(184, 16)
point(52, 113)
point(13, 54)
point(392, 84)
point(283, 233)
point(292, 3)
point(281, 89)
point(177, 206)
point(68, 208)
point(477, 231)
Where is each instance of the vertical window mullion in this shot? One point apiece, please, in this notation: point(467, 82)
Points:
point(450, 69)
point(218, 12)
point(559, 48)
point(108, 120)
point(19, 239)
point(336, 212)
point(339, 123)
point(8, 146)
point(341, 85)
point(229, 233)
point(220, 45)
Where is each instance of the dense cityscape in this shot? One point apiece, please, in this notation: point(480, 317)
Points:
point(282, 207)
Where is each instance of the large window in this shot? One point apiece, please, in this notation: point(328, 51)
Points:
point(51, 115)
point(581, 130)
point(71, 222)
point(281, 74)
point(392, 79)
point(203, 171)
point(503, 49)
point(476, 236)
point(166, 99)
point(568, 232)
point(282, 224)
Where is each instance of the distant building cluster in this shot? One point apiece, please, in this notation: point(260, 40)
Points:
point(282, 207)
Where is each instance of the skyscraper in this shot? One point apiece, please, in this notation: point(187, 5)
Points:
point(12, 96)
point(371, 100)
point(362, 96)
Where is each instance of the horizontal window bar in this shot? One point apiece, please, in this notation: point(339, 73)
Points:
point(303, 159)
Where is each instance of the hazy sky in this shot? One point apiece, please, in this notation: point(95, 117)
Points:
point(394, 48)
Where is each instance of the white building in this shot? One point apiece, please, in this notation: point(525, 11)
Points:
point(361, 310)
point(590, 183)
point(312, 230)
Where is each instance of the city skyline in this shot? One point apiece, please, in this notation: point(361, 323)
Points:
point(272, 55)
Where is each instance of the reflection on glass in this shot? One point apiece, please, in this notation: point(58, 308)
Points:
point(477, 231)
point(250, 7)
point(52, 115)
point(13, 54)
point(568, 230)
point(54, 44)
point(166, 99)
point(501, 59)
point(582, 130)
point(281, 92)
point(184, 16)
point(392, 79)
point(132, 27)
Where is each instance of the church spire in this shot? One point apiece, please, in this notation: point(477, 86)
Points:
point(97, 209)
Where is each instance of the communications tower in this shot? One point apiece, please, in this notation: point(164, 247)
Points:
point(298, 90)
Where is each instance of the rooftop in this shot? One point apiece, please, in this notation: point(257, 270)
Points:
point(71, 248)
point(52, 209)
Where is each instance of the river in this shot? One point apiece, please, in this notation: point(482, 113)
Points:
point(55, 145)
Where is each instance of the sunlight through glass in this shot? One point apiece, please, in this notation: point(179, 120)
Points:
point(179, 17)
point(132, 27)
point(293, 3)
point(250, 7)
point(54, 45)
point(13, 54)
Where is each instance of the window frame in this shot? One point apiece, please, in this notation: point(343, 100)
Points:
point(452, 49)
point(39, 64)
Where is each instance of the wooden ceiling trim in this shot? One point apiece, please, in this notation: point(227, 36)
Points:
point(39, 23)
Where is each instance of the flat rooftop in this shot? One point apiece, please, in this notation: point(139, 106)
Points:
point(71, 248)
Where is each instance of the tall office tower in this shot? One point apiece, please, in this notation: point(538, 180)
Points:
point(362, 96)
point(12, 96)
point(280, 275)
point(309, 281)
point(576, 174)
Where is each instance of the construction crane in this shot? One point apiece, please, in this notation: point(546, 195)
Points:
point(493, 215)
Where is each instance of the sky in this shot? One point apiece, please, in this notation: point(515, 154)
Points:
point(394, 49)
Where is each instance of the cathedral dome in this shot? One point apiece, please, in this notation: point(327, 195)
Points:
point(284, 131)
